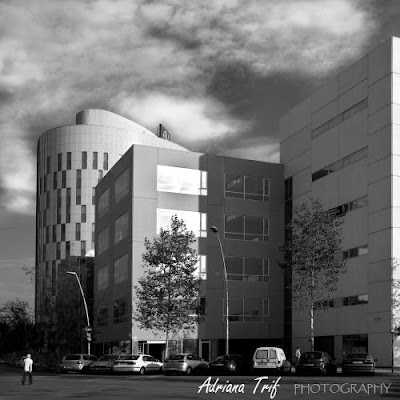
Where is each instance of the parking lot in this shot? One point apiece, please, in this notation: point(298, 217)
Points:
point(158, 386)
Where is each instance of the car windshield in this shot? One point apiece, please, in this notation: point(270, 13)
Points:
point(311, 355)
point(176, 357)
point(128, 357)
point(73, 357)
point(357, 355)
point(262, 354)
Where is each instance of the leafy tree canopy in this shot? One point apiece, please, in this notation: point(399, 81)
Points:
point(167, 295)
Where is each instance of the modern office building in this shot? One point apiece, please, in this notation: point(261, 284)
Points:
point(342, 145)
point(70, 162)
point(242, 198)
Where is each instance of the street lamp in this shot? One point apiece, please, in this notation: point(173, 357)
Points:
point(215, 230)
point(88, 330)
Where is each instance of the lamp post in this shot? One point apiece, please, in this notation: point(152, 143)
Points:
point(88, 330)
point(215, 230)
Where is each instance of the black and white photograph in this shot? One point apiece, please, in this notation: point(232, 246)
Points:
point(200, 199)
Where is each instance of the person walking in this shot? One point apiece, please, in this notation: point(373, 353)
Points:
point(28, 363)
point(297, 354)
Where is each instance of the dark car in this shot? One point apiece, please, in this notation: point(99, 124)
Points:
point(319, 362)
point(358, 363)
point(230, 364)
point(103, 364)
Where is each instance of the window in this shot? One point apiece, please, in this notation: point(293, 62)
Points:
point(78, 197)
point(54, 233)
point(202, 267)
point(247, 187)
point(64, 179)
point(78, 178)
point(93, 196)
point(77, 231)
point(55, 180)
point(355, 252)
point(104, 202)
point(103, 278)
point(247, 269)
point(69, 160)
point(83, 213)
point(67, 249)
point(103, 316)
point(58, 251)
point(105, 161)
point(93, 232)
point(103, 241)
point(62, 232)
point(362, 105)
point(354, 300)
point(100, 175)
point(119, 311)
point(195, 221)
point(121, 186)
point(121, 226)
point(350, 159)
point(95, 158)
point(121, 269)
point(246, 228)
point(181, 180)
point(48, 162)
point(83, 248)
point(59, 162)
point(245, 309)
point(84, 159)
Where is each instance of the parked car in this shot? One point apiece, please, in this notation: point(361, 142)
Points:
point(230, 364)
point(103, 364)
point(76, 362)
point(141, 363)
point(185, 363)
point(362, 363)
point(316, 362)
point(271, 358)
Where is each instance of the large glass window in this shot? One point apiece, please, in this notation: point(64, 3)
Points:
point(121, 226)
point(119, 311)
point(121, 269)
point(248, 269)
point(195, 221)
point(181, 180)
point(246, 228)
point(95, 159)
point(245, 309)
point(103, 278)
point(247, 187)
point(121, 187)
point(104, 202)
point(103, 240)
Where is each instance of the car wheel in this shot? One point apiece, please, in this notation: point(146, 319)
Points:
point(142, 371)
point(188, 371)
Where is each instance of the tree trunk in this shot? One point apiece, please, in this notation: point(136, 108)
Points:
point(166, 343)
point(312, 328)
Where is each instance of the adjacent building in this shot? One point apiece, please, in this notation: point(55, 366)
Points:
point(70, 162)
point(243, 198)
point(342, 145)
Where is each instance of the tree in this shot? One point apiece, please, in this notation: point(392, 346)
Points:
point(312, 256)
point(167, 295)
point(16, 325)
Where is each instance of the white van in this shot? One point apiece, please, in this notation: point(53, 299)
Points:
point(271, 358)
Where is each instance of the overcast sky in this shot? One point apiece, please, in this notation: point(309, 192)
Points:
point(217, 73)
